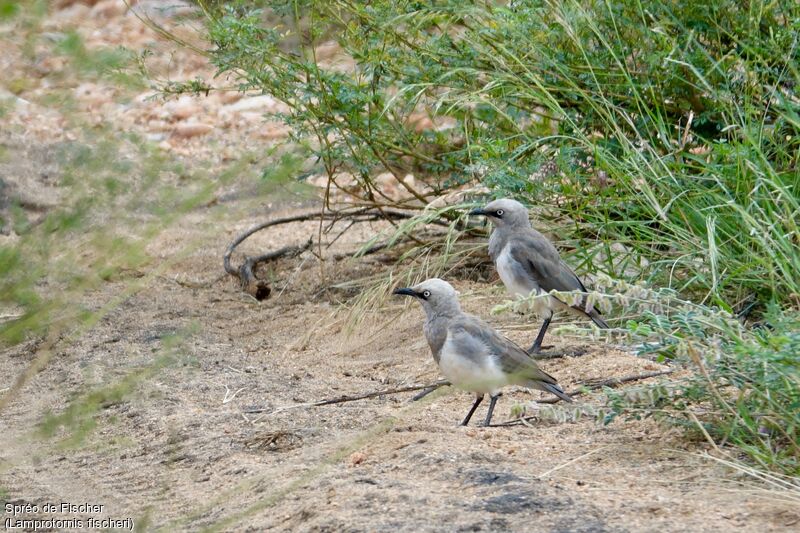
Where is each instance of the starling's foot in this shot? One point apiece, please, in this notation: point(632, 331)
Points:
point(538, 349)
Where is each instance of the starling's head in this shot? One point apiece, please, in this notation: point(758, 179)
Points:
point(436, 296)
point(505, 213)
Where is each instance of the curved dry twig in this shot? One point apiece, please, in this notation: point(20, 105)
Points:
point(260, 289)
point(226, 258)
point(347, 398)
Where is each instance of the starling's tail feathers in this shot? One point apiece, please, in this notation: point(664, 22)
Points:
point(552, 388)
point(594, 314)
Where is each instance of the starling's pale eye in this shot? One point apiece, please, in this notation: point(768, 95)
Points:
point(500, 212)
point(426, 294)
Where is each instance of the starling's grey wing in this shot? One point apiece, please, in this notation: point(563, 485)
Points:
point(472, 335)
point(475, 339)
point(467, 341)
point(540, 260)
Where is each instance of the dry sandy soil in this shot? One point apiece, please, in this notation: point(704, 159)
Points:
point(199, 390)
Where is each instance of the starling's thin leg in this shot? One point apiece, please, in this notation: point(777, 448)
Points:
point(492, 401)
point(537, 344)
point(475, 405)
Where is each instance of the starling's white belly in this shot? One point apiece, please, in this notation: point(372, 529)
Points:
point(479, 374)
point(518, 283)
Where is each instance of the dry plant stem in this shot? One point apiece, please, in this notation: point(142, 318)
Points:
point(166, 34)
point(594, 384)
point(699, 362)
point(226, 259)
point(364, 214)
point(344, 399)
point(259, 288)
point(541, 356)
point(371, 250)
point(703, 430)
point(572, 461)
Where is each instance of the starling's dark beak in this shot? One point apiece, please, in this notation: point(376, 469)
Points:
point(478, 212)
point(405, 291)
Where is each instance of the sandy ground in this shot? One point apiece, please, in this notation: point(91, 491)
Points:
point(181, 450)
point(185, 405)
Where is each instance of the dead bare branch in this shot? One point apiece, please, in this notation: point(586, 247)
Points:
point(226, 259)
point(595, 384)
point(343, 399)
point(260, 289)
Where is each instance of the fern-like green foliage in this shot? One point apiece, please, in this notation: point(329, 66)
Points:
point(744, 388)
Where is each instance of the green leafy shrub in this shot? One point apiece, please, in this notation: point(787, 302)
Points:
point(670, 128)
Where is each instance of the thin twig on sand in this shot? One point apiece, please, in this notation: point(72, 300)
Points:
point(344, 399)
point(595, 384)
point(572, 461)
point(543, 356)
